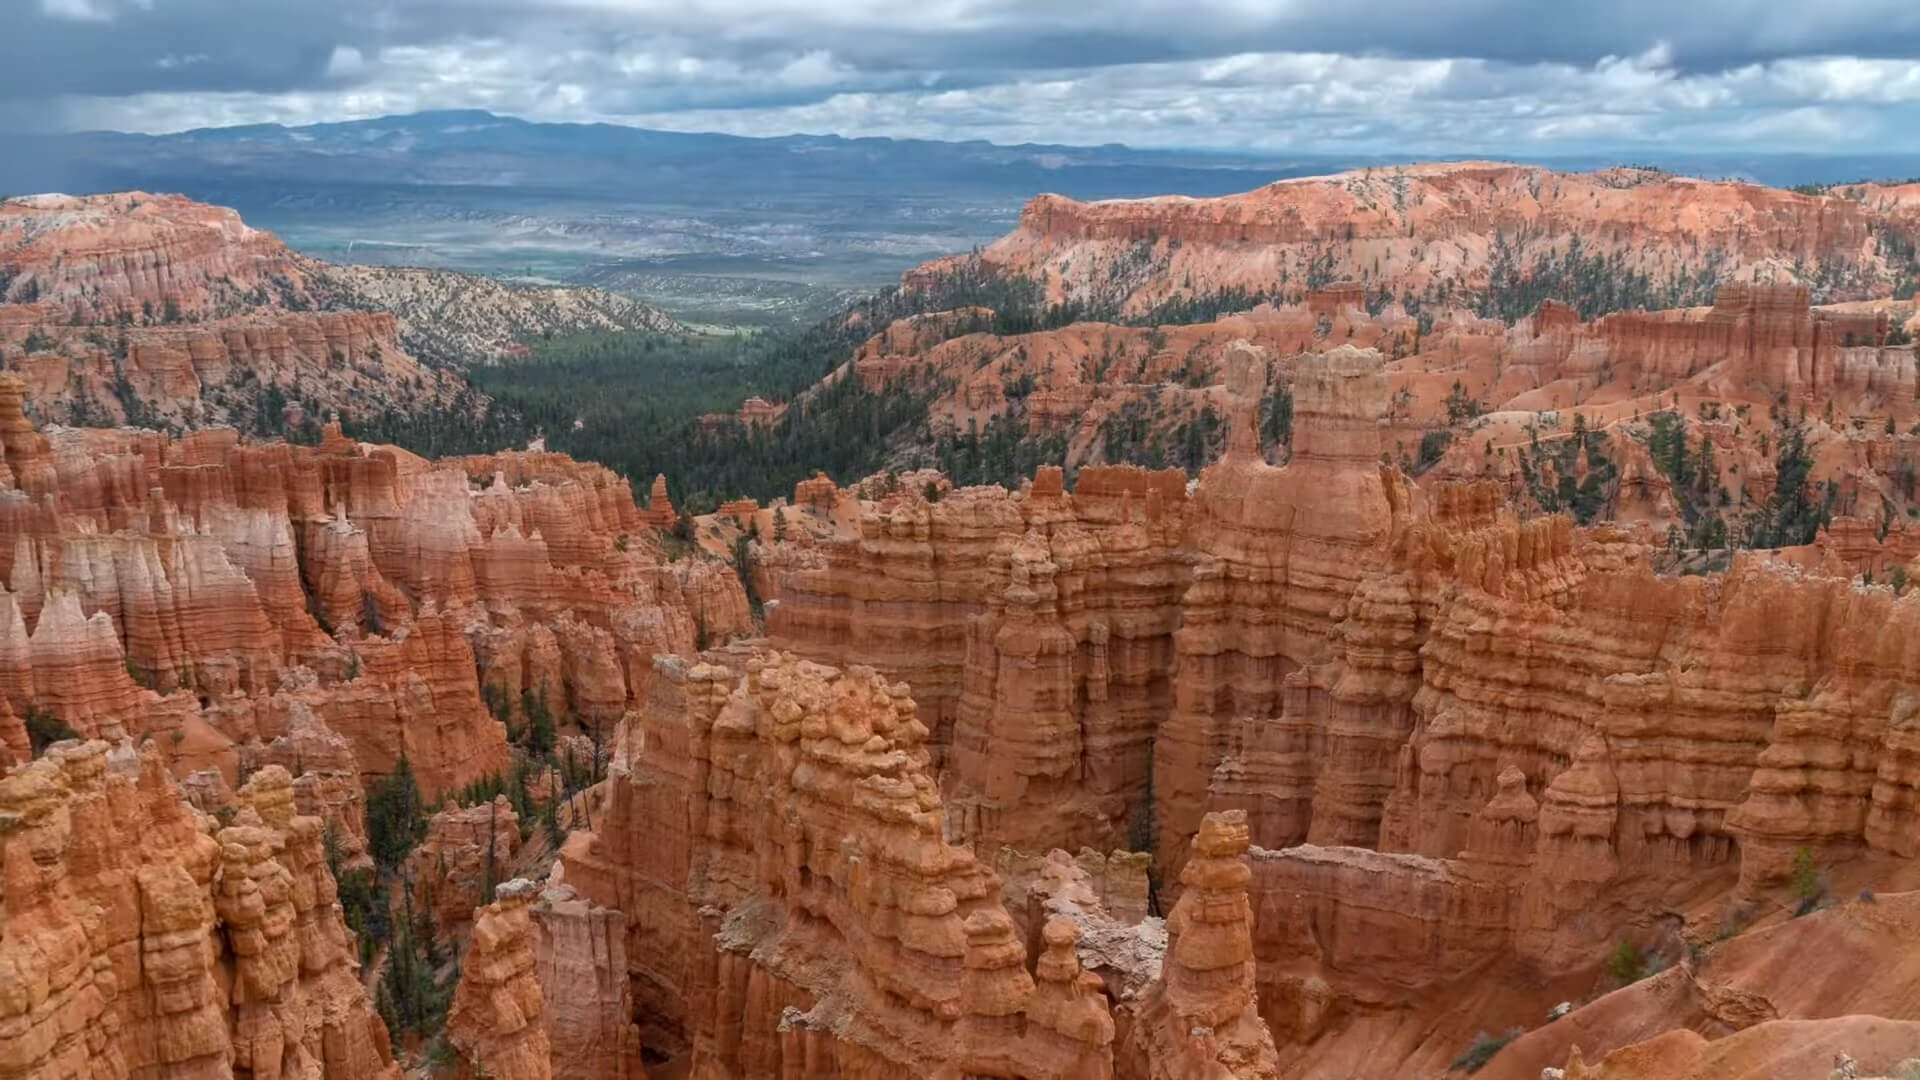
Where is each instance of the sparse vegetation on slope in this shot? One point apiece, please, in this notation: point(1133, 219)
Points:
point(463, 319)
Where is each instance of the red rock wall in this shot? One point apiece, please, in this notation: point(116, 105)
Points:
point(498, 1021)
point(697, 766)
point(1043, 656)
point(774, 834)
point(373, 588)
point(580, 953)
point(1423, 226)
point(1461, 737)
point(176, 311)
point(140, 939)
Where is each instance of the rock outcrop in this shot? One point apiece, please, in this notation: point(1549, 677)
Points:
point(153, 308)
point(136, 307)
point(1436, 687)
point(821, 779)
point(580, 954)
point(1468, 397)
point(1423, 228)
point(498, 1021)
point(772, 828)
point(452, 318)
point(1464, 739)
point(1826, 972)
point(1777, 1048)
point(1034, 632)
point(140, 939)
point(218, 595)
point(466, 853)
point(1199, 1020)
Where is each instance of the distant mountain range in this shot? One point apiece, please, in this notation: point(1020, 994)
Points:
point(471, 149)
point(478, 149)
point(673, 215)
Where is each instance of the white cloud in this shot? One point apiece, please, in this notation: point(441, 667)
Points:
point(78, 10)
point(346, 62)
point(1188, 73)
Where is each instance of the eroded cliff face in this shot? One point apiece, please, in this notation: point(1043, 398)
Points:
point(773, 831)
point(1463, 740)
point(224, 597)
point(141, 938)
point(1423, 229)
point(1199, 1019)
point(465, 854)
point(134, 307)
point(1516, 402)
point(580, 955)
point(498, 1021)
point(1107, 391)
point(1400, 753)
point(1035, 631)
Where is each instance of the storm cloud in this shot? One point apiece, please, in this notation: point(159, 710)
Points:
point(1374, 74)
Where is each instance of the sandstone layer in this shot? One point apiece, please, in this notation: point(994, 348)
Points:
point(1792, 994)
point(222, 596)
point(156, 309)
point(773, 832)
point(137, 307)
point(1467, 397)
point(1466, 739)
point(1443, 229)
point(143, 939)
point(498, 1023)
point(580, 953)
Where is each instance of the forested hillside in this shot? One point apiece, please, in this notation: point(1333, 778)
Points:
point(632, 400)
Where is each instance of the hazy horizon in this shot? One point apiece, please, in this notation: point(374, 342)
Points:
point(1567, 158)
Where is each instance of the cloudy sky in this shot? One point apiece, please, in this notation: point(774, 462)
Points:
point(1448, 76)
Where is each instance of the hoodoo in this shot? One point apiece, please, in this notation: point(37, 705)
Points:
point(1428, 621)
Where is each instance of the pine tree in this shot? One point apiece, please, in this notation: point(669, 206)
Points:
point(396, 816)
point(540, 732)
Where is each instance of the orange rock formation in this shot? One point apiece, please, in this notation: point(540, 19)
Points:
point(154, 306)
point(142, 940)
point(580, 952)
point(1420, 227)
point(775, 836)
point(1517, 730)
point(1791, 995)
point(1199, 1020)
point(225, 593)
point(466, 853)
point(498, 1022)
point(1401, 753)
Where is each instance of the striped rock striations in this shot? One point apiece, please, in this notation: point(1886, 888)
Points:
point(134, 306)
point(140, 939)
point(216, 590)
point(1462, 739)
point(1427, 229)
point(797, 808)
point(1100, 386)
point(497, 1023)
point(1470, 397)
point(580, 953)
point(1035, 632)
point(1199, 1019)
point(772, 829)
